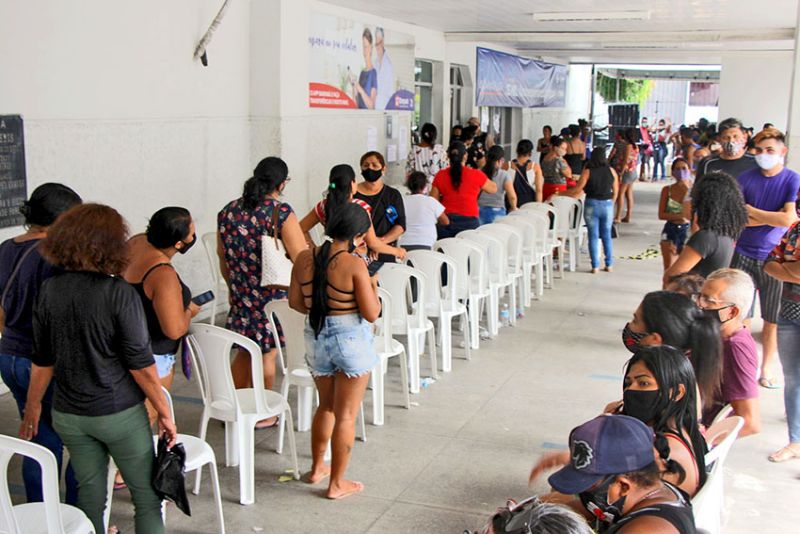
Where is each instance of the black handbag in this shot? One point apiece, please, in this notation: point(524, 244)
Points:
point(169, 477)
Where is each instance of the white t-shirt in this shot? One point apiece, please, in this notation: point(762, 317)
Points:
point(421, 214)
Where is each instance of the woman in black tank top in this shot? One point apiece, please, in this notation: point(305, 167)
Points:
point(528, 178)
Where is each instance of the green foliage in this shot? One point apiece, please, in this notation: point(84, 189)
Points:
point(634, 91)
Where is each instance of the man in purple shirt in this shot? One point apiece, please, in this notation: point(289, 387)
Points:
point(727, 295)
point(770, 193)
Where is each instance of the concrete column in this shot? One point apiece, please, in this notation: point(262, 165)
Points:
point(793, 122)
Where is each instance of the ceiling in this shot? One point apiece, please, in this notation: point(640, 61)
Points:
point(677, 31)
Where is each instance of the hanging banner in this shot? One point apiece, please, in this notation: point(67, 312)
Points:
point(353, 65)
point(507, 80)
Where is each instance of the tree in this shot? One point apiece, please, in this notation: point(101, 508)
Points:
point(634, 91)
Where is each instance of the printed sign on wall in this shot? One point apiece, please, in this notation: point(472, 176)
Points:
point(13, 190)
point(354, 65)
point(507, 80)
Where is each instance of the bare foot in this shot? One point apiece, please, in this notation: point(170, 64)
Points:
point(267, 423)
point(113, 529)
point(345, 488)
point(317, 475)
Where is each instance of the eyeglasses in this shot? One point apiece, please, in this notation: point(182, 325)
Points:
point(710, 303)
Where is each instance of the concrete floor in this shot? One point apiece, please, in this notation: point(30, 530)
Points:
point(469, 440)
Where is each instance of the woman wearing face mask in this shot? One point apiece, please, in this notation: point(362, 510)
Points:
point(386, 203)
point(718, 216)
point(675, 210)
point(241, 224)
point(493, 205)
point(660, 390)
point(555, 170)
point(428, 156)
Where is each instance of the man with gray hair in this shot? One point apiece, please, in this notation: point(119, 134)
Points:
point(727, 296)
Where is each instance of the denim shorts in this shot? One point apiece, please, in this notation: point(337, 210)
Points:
point(345, 345)
point(164, 364)
point(675, 234)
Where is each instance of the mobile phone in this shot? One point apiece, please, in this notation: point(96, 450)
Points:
point(202, 298)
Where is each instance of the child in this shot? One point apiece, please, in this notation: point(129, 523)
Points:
point(422, 214)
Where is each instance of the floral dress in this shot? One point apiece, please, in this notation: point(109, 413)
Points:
point(241, 230)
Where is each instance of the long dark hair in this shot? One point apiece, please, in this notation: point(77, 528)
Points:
point(493, 155)
point(718, 203)
point(598, 158)
point(428, 133)
point(344, 224)
point(340, 187)
point(456, 153)
point(268, 175)
point(683, 325)
point(630, 136)
point(671, 368)
point(47, 202)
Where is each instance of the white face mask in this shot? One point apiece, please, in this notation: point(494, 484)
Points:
point(769, 161)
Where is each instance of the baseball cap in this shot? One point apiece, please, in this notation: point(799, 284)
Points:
point(606, 445)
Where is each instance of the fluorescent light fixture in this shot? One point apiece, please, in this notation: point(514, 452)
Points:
point(590, 16)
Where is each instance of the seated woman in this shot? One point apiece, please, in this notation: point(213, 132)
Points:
point(660, 390)
point(334, 288)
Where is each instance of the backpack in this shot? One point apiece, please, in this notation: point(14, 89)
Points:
point(513, 518)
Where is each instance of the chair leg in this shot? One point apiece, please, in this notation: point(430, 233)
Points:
point(474, 318)
point(304, 408)
point(292, 443)
point(466, 332)
point(540, 279)
point(413, 362)
point(377, 394)
point(432, 351)
point(217, 495)
point(247, 476)
point(445, 327)
point(282, 423)
point(512, 296)
point(493, 312)
point(404, 378)
point(232, 440)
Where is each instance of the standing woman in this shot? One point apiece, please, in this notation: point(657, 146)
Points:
point(428, 156)
point(241, 224)
point(457, 187)
point(90, 336)
point(627, 160)
point(365, 89)
point(493, 205)
point(167, 301)
point(674, 208)
point(576, 149)
point(527, 189)
point(543, 144)
point(555, 170)
point(22, 272)
point(334, 288)
point(601, 185)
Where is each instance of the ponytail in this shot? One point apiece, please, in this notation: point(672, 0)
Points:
point(705, 345)
point(495, 154)
point(339, 189)
point(456, 153)
point(319, 298)
point(268, 175)
point(671, 466)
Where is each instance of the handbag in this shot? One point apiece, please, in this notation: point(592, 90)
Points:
point(276, 267)
point(169, 476)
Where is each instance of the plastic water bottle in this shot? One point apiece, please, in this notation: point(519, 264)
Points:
point(505, 316)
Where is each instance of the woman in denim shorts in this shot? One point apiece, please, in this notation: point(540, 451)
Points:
point(334, 288)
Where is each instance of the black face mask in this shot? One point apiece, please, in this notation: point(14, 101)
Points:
point(632, 339)
point(714, 314)
point(640, 404)
point(596, 503)
point(371, 175)
point(186, 246)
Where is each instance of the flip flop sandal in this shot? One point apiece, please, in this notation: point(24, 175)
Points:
point(119, 486)
point(768, 383)
point(783, 454)
point(272, 425)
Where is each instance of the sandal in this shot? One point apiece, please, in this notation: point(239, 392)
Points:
point(768, 383)
point(271, 425)
point(784, 454)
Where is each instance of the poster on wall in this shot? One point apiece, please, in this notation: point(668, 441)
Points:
point(359, 66)
point(507, 80)
point(13, 190)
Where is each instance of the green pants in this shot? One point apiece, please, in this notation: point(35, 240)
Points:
point(127, 437)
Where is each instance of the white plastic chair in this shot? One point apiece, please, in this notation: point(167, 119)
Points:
point(293, 363)
point(220, 302)
point(386, 347)
point(570, 212)
point(499, 280)
point(553, 241)
point(240, 409)
point(472, 286)
point(723, 414)
point(441, 300)
point(707, 504)
point(512, 239)
point(48, 517)
point(533, 258)
point(396, 280)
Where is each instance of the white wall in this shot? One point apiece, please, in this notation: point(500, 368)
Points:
point(577, 104)
point(754, 87)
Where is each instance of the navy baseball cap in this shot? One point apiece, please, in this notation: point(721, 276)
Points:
point(606, 445)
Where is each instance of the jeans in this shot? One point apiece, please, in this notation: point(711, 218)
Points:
point(127, 437)
point(789, 351)
point(16, 373)
point(599, 216)
point(458, 223)
point(659, 159)
point(488, 214)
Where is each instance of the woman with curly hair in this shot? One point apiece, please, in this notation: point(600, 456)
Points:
point(90, 337)
point(718, 217)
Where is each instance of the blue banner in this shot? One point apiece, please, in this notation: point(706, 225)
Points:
point(507, 80)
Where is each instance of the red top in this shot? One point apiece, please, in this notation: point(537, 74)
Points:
point(464, 200)
point(319, 208)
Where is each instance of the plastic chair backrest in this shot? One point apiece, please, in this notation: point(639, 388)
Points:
point(569, 210)
point(396, 279)
point(292, 353)
point(526, 227)
point(384, 322)
point(168, 398)
point(430, 263)
point(214, 346)
point(496, 253)
point(512, 238)
point(47, 462)
point(470, 261)
point(724, 413)
point(550, 212)
point(720, 437)
point(210, 245)
point(540, 222)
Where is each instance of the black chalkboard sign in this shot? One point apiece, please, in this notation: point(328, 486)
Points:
point(13, 183)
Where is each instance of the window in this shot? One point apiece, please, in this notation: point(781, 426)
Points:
point(498, 122)
point(458, 94)
point(423, 93)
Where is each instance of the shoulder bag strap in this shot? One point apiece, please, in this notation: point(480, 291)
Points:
point(14, 273)
point(275, 214)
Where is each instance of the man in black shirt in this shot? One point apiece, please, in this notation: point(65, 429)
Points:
point(733, 159)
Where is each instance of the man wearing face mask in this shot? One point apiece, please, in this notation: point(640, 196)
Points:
point(733, 158)
point(388, 213)
point(725, 296)
point(770, 195)
point(613, 470)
